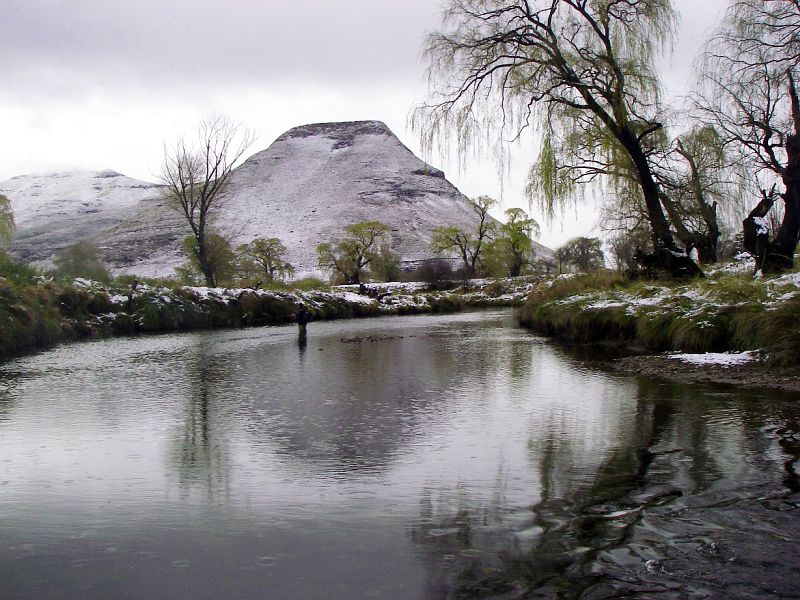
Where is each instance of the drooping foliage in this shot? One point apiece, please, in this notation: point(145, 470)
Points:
point(7, 225)
point(385, 264)
point(584, 254)
point(580, 73)
point(749, 93)
point(267, 254)
point(349, 258)
point(81, 259)
point(513, 247)
point(469, 245)
point(219, 258)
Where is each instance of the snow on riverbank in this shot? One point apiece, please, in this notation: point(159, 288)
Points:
point(374, 299)
point(723, 359)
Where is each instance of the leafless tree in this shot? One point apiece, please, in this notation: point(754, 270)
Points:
point(749, 93)
point(195, 176)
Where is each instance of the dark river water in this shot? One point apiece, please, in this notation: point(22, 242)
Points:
point(413, 457)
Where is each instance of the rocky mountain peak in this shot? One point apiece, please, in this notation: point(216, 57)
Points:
point(342, 132)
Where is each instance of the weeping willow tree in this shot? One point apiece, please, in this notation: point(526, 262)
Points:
point(514, 246)
point(7, 225)
point(749, 72)
point(580, 73)
point(702, 190)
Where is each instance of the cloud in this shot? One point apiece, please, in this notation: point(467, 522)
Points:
point(103, 83)
point(71, 47)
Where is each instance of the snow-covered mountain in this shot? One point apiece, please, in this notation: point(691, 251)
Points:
point(316, 179)
point(304, 189)
point(54, 210)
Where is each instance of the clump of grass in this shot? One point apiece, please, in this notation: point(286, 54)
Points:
point(575, 322)
point(444, 303)
point(497, 288)
point(29, 317)
point(653, 329)
point(747, 327)
point(733, 288)
point(778, 331)
point(308, 284)
point(17, 272)
point(573, 286)
point(705, 330)
point(559, 308)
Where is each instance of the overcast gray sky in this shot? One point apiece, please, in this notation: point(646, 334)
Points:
point(104, 83)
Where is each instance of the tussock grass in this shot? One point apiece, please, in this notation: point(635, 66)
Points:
point(778, 332)
point(443, 303)
point(564, 287)
point(29, 317)
point(15, 272)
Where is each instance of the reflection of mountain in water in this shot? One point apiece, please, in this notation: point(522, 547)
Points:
point(339, 404)
point(351, 405)
point(672, 511)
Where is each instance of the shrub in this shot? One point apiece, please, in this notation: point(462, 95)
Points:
point(81, 260)
point(74, 302)
point(445, 304)
point(308, 284)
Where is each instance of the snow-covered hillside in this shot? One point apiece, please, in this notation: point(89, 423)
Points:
point(316, 179)
point(304, 189)
point(55, 210)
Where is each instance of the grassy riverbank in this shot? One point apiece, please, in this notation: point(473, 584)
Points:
point(727, 311)
point(37, 313)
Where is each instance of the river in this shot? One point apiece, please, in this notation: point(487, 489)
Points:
point(410, 457)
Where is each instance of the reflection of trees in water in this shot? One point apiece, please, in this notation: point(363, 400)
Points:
point(783, 421)
point(6, 404)
point(790, 443)
point(350, 405)
point(595, 538)
point(8, 381)
point(468, 550)
point(199, 452)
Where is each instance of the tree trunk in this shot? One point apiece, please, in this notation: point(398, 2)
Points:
point(204, 263)
point(667, 259)
point(777, 256)
point(705, 242)
point(780, 253)
point(755, 231)
point(706, 246)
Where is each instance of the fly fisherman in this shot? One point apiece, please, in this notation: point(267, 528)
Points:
point(302, 317)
